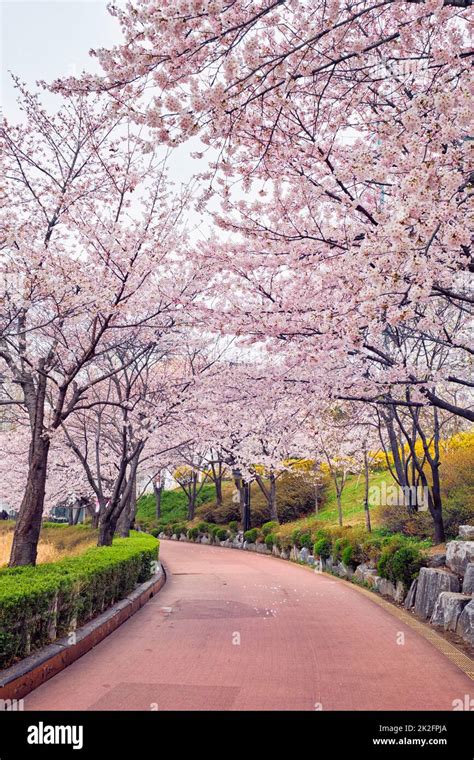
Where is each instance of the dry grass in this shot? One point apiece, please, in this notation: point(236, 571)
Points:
point(55, 542)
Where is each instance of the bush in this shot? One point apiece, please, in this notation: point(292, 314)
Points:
point(271, 540)
point(400, 560)
point(322, 548)
point(155, 532)
point(234, 526)
point(193, 533)
point(203, 527)
point(269, 527)
point(348, 558)
point(251, 535)
point(40, 604)
point(301, 539)
point(337, 548)
point(221, 534)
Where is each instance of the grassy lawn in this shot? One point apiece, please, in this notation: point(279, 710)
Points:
point(56, 541)
point(352, 499)
point(174, 506)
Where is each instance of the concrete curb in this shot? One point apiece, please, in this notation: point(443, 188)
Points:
point(20, 679)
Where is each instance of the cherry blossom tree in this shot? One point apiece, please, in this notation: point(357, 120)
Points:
point(347, 128)
point(83, 270)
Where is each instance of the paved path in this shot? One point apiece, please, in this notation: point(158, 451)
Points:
point(305, 640)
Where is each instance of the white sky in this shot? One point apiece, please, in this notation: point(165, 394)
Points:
point(45, 39)
point(48, 39)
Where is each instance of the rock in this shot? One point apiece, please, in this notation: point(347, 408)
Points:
point(466, 532)
point(458, 555)
point(162, 535)
point(284, 554)
point(410, 598)
point(386, 588)
point(261, 549)
point(303, 554)
point(250, 547)
point(311, 560)
point(373, 580)
point(237, 544)
point(400, 592)
point(183, 537)
point(205, 540)
point(436, 560)
point(431, 582)
point(276, 551)
point(174, 537)
point(465, 626)
point(294, 553)
point(364, 572)
point(468, 582)
point(343, 571)
point(448, 608)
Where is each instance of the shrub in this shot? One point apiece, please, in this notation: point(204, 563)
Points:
point(322, 548)
point(337, 548)
point(306, 540)
point(221, 534)
point(193, 533)
point(347, 556)
point(155, 532)
point(203, 527)
point(400, 560)
point(234, 526)
point(39, 604)
point(251, 535)
point(271, 540)
point(269, 527)
point(301, 539)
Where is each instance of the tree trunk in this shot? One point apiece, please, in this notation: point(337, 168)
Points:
point(436, 507)
point(366, 493)
point(28, 525)
point(246, 517)
point(192, 496)
point(157, 490)
point(106, 531)
point(273, 499)
point(339, 506)
point(127, 517)
point(218, 484)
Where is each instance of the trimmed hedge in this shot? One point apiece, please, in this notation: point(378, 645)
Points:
point(40, 604)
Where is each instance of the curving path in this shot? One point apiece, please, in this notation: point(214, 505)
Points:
point(306, 642)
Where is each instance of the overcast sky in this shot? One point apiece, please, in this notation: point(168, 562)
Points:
point(45, 39)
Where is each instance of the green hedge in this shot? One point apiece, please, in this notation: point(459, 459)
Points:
point(40, 604)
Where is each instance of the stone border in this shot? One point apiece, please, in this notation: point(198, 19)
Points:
point(23, 677)
point(455, 655)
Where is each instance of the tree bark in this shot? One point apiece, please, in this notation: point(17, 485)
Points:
point(127, 517)
point(246, 515)
point(157, 490)
point(28, 525)
point(218, 484)
point(366, 492)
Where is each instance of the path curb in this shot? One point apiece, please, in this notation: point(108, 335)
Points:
point(20, 679)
